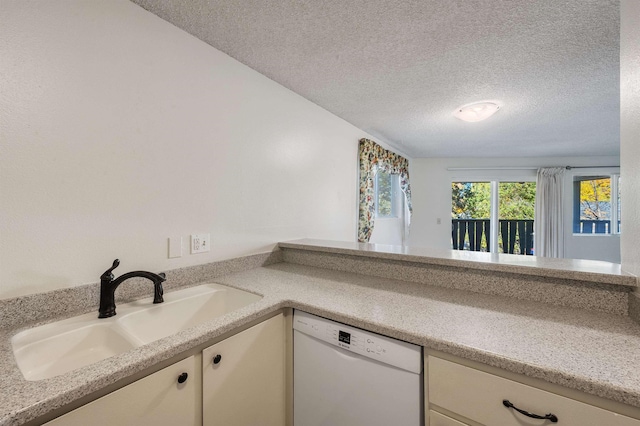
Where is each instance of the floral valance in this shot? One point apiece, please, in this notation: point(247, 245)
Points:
point(373, 157)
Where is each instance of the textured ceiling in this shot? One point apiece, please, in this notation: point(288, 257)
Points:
point(398, 68)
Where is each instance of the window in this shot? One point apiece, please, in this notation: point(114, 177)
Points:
point(470, 215)
point(596, 204)
point(510, 205)
point(386, 188)
point(515, 212)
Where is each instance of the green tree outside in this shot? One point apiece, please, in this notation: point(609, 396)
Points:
point(472, 200)
point(385, 193)
point(517, 200)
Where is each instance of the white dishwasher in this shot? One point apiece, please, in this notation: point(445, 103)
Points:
point(344, 376)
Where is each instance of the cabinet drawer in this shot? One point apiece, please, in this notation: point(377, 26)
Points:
point(437, 419)
point(478, 396)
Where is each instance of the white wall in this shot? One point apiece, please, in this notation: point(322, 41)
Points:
point(630, 132)
point(431, 193)
point(119, 130)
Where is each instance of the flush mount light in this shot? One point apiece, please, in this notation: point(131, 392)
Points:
point(476, 111)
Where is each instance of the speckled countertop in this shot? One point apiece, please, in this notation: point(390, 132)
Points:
point(593, 352)
point(591, 270)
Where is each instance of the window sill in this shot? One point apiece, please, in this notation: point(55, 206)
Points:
point(595, 235)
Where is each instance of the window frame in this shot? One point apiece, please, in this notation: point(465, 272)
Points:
point(614, 182)
point(494, 182)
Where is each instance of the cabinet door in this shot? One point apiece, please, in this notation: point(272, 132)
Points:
point(157, 399)
point(246, 386)
point(438, 419)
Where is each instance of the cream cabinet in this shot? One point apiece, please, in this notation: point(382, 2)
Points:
point(238, 381)
point(168, 397)
point(243, 377)
point(439, 419)
point(479, 397)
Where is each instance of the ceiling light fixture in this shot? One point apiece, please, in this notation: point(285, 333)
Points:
point(476, 111)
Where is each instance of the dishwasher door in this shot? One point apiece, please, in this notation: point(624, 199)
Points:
point(334, 386)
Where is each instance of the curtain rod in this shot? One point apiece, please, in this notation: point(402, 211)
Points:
point(591, 167)
point(456, 169)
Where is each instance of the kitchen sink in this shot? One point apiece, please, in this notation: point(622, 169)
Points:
point(197, 305)
point(57, 348)
point(54, 349)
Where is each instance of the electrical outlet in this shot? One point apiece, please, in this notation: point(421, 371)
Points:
point(200, 243)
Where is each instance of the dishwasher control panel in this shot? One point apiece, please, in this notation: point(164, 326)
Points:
point(371, 345)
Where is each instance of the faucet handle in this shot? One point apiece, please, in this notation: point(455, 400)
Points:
point(108, 276)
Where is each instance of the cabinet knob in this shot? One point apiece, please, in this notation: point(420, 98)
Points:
point(182, 378)
point(217, 359)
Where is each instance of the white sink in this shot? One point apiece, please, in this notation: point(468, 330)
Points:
point(196, 305)
point(57, 348)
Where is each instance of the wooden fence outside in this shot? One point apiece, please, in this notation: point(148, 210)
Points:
point(514, 236)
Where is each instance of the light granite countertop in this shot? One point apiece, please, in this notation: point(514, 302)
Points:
point(593, 352)
point(580, 269)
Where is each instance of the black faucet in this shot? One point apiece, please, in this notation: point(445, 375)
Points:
point(108, 288)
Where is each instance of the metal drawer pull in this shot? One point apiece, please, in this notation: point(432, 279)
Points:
point(551, 417)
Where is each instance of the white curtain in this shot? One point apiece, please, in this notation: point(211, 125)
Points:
point(548, 221)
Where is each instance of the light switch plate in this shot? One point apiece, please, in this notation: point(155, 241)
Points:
point(175, 247)
point(200, 243)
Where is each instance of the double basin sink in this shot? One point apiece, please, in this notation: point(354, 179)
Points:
point(57, 348)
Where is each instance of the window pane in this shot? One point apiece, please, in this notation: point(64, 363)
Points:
point(385, 192)
point(515, 212)
point(594, 204)
point(470, 213)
